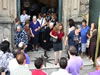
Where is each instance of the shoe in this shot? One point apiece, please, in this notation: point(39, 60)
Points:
point(55, 63)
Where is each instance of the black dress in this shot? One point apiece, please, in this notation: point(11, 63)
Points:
point(46, 37)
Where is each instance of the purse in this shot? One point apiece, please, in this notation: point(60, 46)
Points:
point(53, 39)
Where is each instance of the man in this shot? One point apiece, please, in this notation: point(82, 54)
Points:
point(22, 47)
point(24, 17)
point(20, 36)
point(84, 31)
point(39, 65)
point(75, 63)
point(21, 69)
point(62, 70)
point(17, 22)
point(98, 67)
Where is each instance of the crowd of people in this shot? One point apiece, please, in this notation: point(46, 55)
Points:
point(46, 32)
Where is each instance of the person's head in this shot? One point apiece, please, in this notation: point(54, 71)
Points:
point(38, 63)
point(78, 28)
point(34, 19)
point(93, 26)
point(61, 28)
point(24, 12)
point(17, 20)
point(18, 28)
point(39, 16)
point(21, 46)
point(27, 23)
point(5, 46)
point(84, 22)
point(54, 17)
point(21, 59)
point(63, 63)
point(71, 22)
point(72, 51)
point(51, 24)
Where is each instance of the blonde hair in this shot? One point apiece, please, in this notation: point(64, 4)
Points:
point(56, 28)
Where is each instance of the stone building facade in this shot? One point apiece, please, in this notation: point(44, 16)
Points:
point(75, 9)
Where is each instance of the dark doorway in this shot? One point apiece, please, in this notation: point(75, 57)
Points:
point(34, 7)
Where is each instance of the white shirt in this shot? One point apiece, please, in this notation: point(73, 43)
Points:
point(41, 21)
point(13, 64)
point(23, 18)
point(61, 72)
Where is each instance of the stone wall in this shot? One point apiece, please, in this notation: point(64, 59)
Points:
point(7, 15)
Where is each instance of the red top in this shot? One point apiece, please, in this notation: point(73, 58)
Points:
point(38, 72)
point(60, 35)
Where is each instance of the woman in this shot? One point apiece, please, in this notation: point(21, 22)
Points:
point(35, 27)
point(58, 34)
point(93, 38)
point(28, 31)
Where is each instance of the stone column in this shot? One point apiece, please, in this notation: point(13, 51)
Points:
point(65, 15)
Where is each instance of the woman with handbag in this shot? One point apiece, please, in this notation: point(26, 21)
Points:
point(57, 35)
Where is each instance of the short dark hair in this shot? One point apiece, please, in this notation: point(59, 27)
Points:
point(84, 21)
point(38, 63)
point(17, 19)
point(63, 63)
point(20, 58)
point(71, 22)
point(5, 46)
point(72, 50)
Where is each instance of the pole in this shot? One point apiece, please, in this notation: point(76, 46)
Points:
point(18, 8)
point(60, 10)
point(98, 40)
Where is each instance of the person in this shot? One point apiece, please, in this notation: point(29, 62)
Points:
point(21, 69)
point(46, 39)
point(22, 47)
point(28, 31)
point(5, 56)
point(53, 19)
point(39, 65)
point(84, 30)
point(73, 38)
point(35, 27)
point(41, 20)
point(17, 22)
point(71, 25)
point(98, 66)
point(75, 63)
point(57, 33)
point(62, 70)
point(13, 63)
point(24, 17)
point(93, 38)
point(20, 36)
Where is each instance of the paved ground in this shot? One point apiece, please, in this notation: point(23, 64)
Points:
point(51, 67)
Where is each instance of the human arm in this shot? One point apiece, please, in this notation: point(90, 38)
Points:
point(52, 34)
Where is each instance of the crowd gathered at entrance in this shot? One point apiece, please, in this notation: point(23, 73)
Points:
point(44, 31)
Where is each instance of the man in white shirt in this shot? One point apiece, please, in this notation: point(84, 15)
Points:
point(21, 69)
point(62, 70)
point(24, 17)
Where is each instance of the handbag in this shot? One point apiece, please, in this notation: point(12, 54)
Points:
point(53, 39)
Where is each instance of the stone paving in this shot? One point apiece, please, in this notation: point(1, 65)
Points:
point(50, 65)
